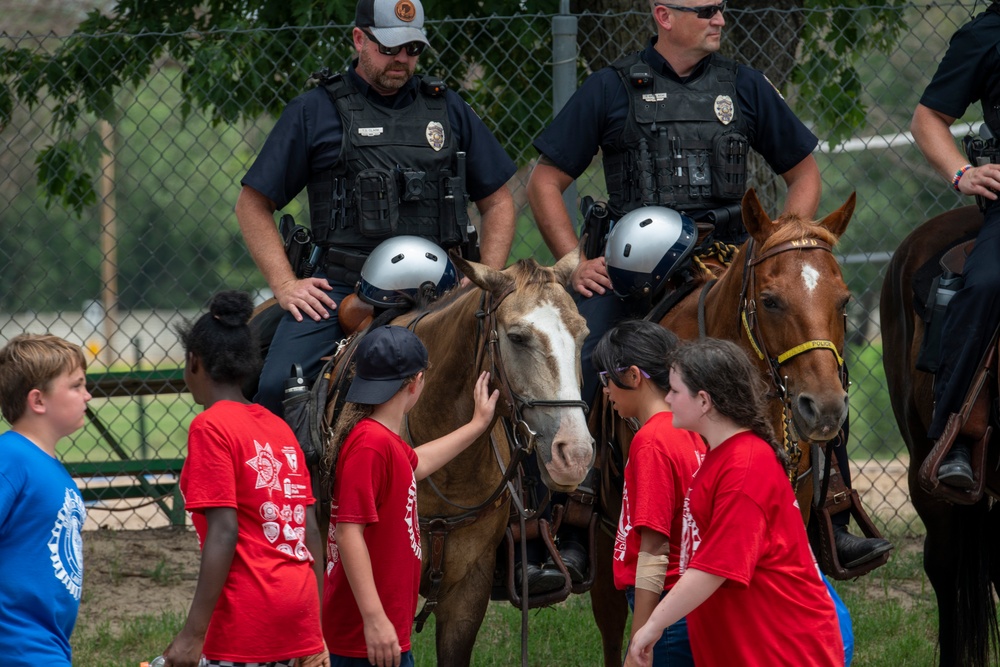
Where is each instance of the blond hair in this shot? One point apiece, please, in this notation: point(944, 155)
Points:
point(32, 361)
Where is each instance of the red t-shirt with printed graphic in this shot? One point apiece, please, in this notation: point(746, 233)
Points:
point(374, 485)
point(661, 461)
point(244, 457)
point(742, 522)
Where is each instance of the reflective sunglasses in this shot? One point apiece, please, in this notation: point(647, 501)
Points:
point(701, 11)
point(412, 48)
point(603, 375)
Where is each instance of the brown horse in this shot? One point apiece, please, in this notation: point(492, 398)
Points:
point(962, 540)
point(522, 325)
point(783, 300)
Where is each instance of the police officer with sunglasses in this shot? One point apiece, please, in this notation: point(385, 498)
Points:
point(674, 123)
point(382, 152)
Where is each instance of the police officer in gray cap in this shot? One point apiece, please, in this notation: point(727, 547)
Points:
point(382, 151)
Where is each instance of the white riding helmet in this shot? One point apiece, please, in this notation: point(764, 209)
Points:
point(401, 267)
point(645, 246)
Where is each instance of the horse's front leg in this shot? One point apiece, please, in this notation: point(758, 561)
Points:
point(469, 561)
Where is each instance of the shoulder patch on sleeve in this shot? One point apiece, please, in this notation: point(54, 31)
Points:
point(772, 85)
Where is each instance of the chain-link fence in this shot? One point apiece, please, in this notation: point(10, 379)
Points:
point(113, 255)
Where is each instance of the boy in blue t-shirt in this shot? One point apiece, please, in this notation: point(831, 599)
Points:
point(43, 395)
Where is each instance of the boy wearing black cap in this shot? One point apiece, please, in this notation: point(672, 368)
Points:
point(373, 568)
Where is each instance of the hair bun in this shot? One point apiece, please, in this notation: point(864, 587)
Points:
point(232, 308)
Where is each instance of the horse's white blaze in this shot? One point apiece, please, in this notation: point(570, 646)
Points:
point(576, 443)
point(547, 322)
point(810, 277)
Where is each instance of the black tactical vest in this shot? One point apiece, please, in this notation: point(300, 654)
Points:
point(399, 172)
point(684, 146)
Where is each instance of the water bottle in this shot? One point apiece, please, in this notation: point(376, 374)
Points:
point(942, 291)
point(295, 385)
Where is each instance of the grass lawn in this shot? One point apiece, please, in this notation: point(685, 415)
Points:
point(892, 610)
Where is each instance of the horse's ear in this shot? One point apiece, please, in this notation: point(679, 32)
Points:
point(483, 276)
point(836, 222)
point(567, 264)
point(757, 222)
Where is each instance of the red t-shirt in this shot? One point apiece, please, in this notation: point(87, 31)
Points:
point(244, 457)
point(661, 461)
point(374, 485)
point(742, 522)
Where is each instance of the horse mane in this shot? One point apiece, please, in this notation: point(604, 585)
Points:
point(793, 227)
point(525, 273)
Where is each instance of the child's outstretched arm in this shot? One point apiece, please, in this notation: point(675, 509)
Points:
point(216, 557)
point(693, 588)
point(436, 453)
point(380, 635)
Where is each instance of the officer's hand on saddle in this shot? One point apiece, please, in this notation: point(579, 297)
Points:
point(591, 277)
point(983, 181)
point(306, 297)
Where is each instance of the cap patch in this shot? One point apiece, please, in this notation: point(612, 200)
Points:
point(405, 11)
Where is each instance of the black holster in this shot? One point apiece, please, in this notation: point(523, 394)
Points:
point(596, 225)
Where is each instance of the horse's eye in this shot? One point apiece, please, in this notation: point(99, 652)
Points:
point(516, 338)
point(769, 302)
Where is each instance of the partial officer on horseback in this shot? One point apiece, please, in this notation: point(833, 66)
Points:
point(382, 152)
point(674, 123)
point(969, 72)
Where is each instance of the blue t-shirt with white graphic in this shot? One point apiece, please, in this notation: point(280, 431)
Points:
point(41, 555)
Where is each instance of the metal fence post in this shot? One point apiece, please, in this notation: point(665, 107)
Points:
point(564, 52)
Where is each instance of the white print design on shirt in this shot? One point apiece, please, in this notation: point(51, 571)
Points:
point(690, 535)
point(332, 552)
point(291, 458)
point(411, 518)
point(624, 526)
point(66, 543)
point(266, 466)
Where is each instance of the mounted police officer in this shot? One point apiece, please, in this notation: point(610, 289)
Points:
point(969, 72)
point(382, 152)
point(674, 123)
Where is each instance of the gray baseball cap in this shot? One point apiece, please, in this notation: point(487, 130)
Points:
point(392, 22)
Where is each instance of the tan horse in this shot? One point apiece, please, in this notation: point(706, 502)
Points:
point(521, 325)
point(783, 300)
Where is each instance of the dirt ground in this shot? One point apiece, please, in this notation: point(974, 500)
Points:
point(128, 573)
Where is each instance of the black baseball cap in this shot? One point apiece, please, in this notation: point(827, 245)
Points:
point(392, 22)
point(385, 357)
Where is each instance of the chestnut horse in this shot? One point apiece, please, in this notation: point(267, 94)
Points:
point(522, 325)
point(962, 540)
point(783, 299)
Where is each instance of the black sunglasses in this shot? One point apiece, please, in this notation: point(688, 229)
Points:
point(603, 375)
point(412, 48)
point(701, 11)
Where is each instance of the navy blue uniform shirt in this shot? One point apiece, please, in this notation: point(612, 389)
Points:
point(307, 139)
point(595, 116)
point(971, 64)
